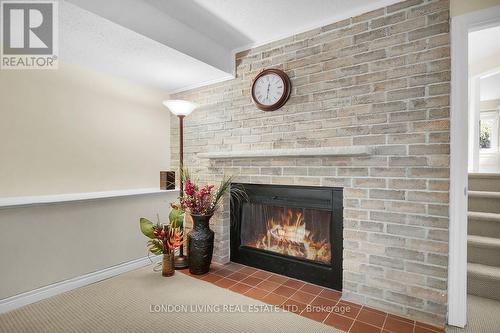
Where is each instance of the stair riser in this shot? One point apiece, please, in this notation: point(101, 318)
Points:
point(484, 184)
point(483, 287)
point(482, 204)
point(483, 255)
point(484, 228)
point(483, 281)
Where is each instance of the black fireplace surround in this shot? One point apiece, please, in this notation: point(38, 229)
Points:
point(290, 230)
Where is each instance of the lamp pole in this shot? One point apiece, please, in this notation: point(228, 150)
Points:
point(181, 109)
point(181, 154)
point(181, 261)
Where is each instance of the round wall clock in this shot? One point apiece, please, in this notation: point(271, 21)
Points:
point(271, 89)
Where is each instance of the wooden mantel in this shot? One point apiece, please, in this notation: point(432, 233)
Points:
point(293, 152)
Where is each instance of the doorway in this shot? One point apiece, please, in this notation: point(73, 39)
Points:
point(484, 102)
point(474, 199)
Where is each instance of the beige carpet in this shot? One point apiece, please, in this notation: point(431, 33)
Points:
point(122, 304)
point(483, 316)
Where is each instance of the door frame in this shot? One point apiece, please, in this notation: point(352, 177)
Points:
point(457, 265)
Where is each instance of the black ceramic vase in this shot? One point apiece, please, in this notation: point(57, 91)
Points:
point(201, 245)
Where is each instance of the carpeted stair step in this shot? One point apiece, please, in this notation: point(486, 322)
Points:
point(483, 280)
point(484, 182)
point(484, 224)
point(484, 201)
point(483, 250)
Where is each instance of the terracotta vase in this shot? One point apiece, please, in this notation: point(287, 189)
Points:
point(200, 244)
point(168, 268)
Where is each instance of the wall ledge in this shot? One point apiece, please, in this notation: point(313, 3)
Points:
point(10, 202)
point(293, 152)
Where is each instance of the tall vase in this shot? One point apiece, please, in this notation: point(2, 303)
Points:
point(201, 245)
point(168, 268)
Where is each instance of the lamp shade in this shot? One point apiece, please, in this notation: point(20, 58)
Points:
point(180, 107)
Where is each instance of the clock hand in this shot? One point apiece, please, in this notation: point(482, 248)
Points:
point(267, 95)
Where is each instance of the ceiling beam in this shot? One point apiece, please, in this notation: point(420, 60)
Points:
point(151, 22)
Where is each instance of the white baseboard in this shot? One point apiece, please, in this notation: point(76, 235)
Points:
point(17, 301)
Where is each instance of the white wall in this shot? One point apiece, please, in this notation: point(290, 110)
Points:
point(460, 7)
point(76, 130)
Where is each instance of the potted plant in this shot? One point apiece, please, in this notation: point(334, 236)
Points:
point(176, 218)
point(201, 202)
point(163, 239)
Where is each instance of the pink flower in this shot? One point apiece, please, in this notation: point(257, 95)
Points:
point(189, 188)
point(197, 200)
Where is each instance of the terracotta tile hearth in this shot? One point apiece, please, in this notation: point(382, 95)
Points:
point(308, 300)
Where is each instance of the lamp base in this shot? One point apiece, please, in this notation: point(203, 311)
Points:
point(181, 262)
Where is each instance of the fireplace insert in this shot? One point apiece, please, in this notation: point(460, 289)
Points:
point(291, 230)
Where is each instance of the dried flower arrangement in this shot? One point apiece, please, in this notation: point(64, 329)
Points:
point(204, 200)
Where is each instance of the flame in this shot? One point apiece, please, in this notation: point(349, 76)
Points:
point(288, 235)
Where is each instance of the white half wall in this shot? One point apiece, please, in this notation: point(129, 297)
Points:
point(41, 245)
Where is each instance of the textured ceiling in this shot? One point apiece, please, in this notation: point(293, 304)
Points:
point(180, 44)
point(255, 22)
point(92, 41)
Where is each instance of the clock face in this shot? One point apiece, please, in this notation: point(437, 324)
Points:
point(269, 89)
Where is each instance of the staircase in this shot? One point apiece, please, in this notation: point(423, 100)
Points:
point(483, 241)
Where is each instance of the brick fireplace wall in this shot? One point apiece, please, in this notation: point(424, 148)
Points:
point(380, 79)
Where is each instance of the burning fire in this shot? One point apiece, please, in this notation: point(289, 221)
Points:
point(288, 235)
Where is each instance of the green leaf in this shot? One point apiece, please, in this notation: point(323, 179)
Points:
point(146, 227)
point(155, 246)
point(176, 218)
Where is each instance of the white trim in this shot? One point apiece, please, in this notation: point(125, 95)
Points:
point(204, 83)
point(17, 301)
point(8, 202)
point(457, 266)
point(473, 119)
point(490, 72)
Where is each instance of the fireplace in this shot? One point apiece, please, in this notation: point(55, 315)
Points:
point(291, 230)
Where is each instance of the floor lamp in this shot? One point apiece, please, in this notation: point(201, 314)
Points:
point(181, 109)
